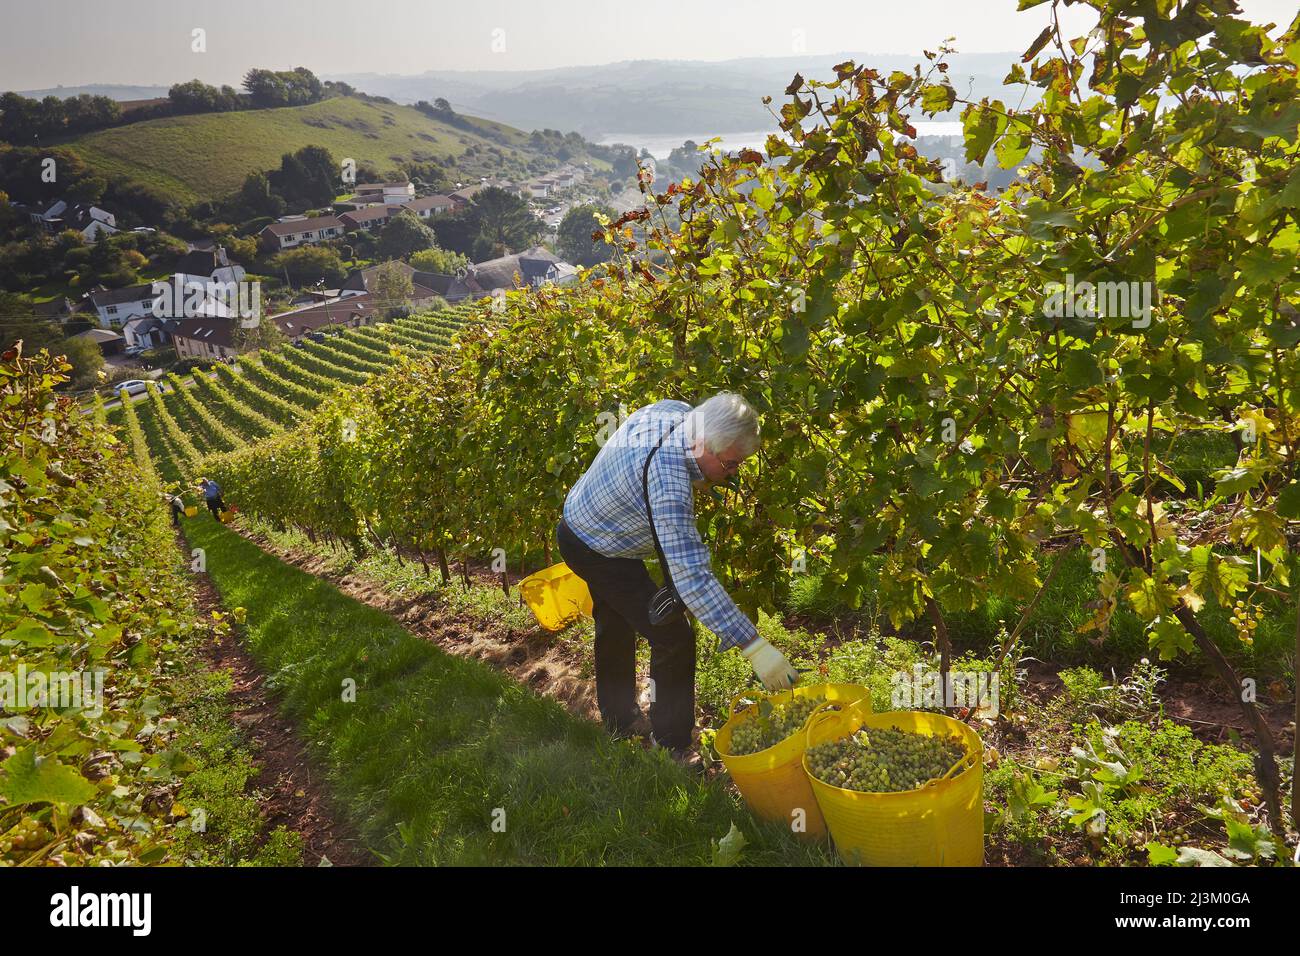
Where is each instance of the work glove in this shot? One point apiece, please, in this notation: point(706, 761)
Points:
point(770, 665)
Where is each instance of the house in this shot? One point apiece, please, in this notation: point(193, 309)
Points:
point(531, 268)
point(208, 337)
point(362, 282)
point(59, 309)
point(146, 332)
point(89, 220)
point(538, 188)
point(461, 197)
point(209, 265)
point(117, 306)
point(430, 206)
point(350, 312)
point(176, 297)
point(534, 267)
point(386, 193)
point(109, 342)
point(369, 218)
point(293, 231)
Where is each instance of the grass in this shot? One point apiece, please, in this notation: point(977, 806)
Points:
point(435, 747)
point(222, 783)
point(207, 156)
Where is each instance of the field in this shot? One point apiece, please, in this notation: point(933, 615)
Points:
point(207, 156)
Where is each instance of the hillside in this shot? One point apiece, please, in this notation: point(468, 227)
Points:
point(208, 155)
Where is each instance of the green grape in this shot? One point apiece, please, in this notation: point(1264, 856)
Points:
point(884, 760)
point(774, 721)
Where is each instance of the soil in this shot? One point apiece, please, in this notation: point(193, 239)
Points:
point(291, 787)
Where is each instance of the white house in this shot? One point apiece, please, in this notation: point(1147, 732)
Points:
point(430, 206)
point(87, 219)
point(209, 265)
point(116, 307)
point(387, 193)
point(176, 297)
point(294, 231)
point(145, 331)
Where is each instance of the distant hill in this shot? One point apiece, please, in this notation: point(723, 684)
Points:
point(656, 96)
point(208, 155)
point(112, 90)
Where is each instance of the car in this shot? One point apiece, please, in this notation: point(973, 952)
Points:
point(132, 386)
point(133, 350)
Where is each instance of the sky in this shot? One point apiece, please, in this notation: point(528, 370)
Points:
point(46, 43)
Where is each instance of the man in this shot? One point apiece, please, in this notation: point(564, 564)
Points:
point(605, 533)
point(212, 495)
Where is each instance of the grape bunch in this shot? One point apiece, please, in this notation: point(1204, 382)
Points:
point(884, 760)
point(26, 836)
point(774, 722)
point(1245, 618)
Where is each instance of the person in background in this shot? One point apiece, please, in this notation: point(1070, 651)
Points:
point(177, 507)
point(605, 533)
point(212, 496)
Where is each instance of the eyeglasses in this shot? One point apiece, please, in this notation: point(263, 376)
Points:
point(729, 465)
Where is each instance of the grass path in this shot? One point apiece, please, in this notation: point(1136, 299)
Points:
point(435, 747)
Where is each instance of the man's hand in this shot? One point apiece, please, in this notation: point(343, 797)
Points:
point(770, 665)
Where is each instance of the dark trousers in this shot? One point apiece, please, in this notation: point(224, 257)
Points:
point(216, 506)
point(620, 593)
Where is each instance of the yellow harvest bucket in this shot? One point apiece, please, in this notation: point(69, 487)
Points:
point(940, 824)
point(556, 596)
point(225, 517)
point(191, 511)
point(773, 781)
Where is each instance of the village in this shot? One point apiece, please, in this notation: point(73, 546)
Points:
point(211, 303)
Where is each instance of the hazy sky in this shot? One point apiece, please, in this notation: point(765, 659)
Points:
point(45, 43)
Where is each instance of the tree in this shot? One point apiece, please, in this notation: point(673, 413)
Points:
point(404, 235)
point(265, 335)
point(20, 322)
point(574, 235)
point(307, 177)
point(393, 288)
point(256, 198)
point(308, 265)
point(85, 358)
point(504, 220)
point(440, 261)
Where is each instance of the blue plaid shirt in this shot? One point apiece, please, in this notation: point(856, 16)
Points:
point(605, 509)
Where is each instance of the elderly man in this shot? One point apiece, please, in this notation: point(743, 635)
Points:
point(659, 453)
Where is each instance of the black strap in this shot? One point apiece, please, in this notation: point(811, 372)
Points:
point(645, 491)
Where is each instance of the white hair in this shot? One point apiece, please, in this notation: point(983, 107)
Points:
point(724, 421)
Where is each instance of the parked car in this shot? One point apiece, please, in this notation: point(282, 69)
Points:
point(134, 350)
point(132, 386)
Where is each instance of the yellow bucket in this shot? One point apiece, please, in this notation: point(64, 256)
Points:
point(225, 516)
point(773, 781)
point(556, 596)
point(191, 511)
point(940, 824)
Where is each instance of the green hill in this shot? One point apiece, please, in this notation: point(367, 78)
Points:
point(208, 155)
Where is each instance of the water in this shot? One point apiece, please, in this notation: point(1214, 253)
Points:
point(661, 144)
